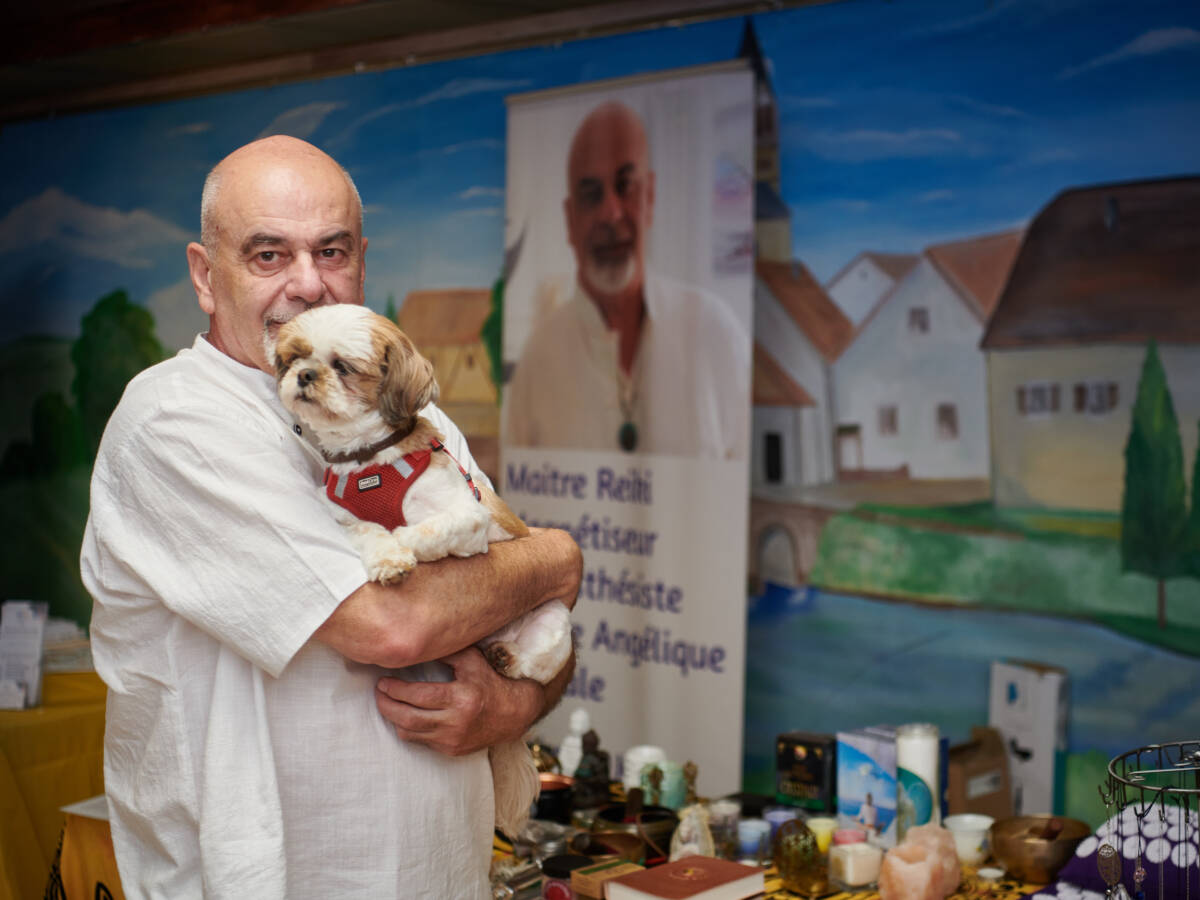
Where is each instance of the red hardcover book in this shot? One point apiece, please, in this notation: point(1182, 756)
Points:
point(690, 878)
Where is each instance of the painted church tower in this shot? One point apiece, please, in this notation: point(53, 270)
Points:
point(773, 219)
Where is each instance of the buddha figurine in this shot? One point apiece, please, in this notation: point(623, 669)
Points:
point(592, 774)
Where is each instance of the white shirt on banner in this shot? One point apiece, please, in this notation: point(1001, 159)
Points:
point(243, 759)
point(688, 393)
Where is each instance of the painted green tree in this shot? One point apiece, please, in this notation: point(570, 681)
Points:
point(44, 480)
point(492, 333)
point(116, 341)
point(1154, 520)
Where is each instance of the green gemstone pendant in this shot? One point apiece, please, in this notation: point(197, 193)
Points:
point(628, 437)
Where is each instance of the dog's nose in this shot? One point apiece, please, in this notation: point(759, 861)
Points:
point(306, 377)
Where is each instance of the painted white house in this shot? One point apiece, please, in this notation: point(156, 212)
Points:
point(911, 388)
point(1103, 270)
point(798, 333)
point(862, 283)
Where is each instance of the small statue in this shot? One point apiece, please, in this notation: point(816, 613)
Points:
point(692, 836)
point(570, 751)
point(652, 779)
point(543, 758)
point(690, 771)
point(591, 775)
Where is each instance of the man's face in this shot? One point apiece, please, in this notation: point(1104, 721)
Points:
point(609, 207)
point(289, 238)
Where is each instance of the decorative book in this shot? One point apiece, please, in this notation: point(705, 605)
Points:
point(690, 878)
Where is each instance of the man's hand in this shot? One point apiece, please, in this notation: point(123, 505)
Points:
point(478, 709)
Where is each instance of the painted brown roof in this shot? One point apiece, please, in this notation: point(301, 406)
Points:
point(449, 316)
point(896, 265)
point(808, 305)
point(1116, 263)
point(773, 386)
point(978, 268)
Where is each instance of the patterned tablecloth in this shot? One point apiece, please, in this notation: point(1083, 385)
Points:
point(972, 887)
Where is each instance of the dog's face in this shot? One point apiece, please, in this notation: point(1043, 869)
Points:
point(347, 372)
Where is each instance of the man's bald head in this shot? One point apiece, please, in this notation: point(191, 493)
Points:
point(610, 204)
point(281, 224)
point(275, 150)
point(611, 125)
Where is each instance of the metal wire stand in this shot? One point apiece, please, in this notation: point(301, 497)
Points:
point(1160, 785)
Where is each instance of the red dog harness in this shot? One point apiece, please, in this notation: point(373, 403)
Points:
point(376, 493)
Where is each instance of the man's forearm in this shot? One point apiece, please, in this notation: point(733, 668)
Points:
point(444, 606)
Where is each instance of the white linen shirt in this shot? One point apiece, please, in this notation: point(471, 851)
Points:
point(243, 759)
point(690, 378)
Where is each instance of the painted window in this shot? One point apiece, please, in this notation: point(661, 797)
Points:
point(918, 320)
point(947, 421)
point(889, 420)
point(1096, 397)
point(1038, 398)
point(773, 456)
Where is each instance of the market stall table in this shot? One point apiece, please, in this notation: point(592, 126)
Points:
point(50, 756)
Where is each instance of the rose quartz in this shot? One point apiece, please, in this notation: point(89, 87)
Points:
point(940, 843)
point(909, 873)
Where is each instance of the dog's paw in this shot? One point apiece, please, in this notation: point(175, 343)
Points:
point(391, 569)
point(501, 655)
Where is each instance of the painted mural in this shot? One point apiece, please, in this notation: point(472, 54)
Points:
point(977, 314)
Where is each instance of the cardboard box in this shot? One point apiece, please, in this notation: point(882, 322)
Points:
point(589, 880)
point(1028, 705)
point(977, 776)
point(866, 770)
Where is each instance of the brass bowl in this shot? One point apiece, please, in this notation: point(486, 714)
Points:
point(605, 845)
point(654, 826)
point(1018, 845)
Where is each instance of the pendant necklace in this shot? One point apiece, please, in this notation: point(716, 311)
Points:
point(627, 434)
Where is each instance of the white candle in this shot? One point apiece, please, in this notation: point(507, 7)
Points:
point(855, 865)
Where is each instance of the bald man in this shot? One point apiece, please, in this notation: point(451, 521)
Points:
point(278, 726)
point(631, 361)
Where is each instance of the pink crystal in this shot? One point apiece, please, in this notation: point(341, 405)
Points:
point(940, 843)
point(908, 873)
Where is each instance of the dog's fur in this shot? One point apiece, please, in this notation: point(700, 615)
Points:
point(354, 378)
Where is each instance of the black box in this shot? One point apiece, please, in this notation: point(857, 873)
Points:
point(806, 770)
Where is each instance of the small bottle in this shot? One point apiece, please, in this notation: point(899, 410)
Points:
point(557, 869)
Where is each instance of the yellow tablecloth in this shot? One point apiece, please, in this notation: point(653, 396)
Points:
point(49, 756)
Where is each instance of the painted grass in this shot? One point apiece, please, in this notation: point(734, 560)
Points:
point(987, 517)
point(951, 556)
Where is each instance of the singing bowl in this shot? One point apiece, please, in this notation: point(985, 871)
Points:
point(605, 845)
point(654, 825)
point(1017, 845)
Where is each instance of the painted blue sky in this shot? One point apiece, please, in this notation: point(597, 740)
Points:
point(904, 124)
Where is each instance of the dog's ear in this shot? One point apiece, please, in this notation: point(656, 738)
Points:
point(406, 383)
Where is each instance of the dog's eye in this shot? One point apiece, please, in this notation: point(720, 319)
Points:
point(341, 368)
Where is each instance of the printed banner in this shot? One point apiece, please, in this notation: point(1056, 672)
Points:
point(626, 413)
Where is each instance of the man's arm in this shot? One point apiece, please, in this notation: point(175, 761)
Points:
point(442, 607)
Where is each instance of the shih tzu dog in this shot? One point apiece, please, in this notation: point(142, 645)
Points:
point(359, 384)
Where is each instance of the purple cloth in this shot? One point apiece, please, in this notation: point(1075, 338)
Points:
point(1168, 843)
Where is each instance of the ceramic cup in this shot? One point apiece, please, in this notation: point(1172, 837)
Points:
point(822, 828)
point(776, 816)
point(754, 840)
point(970, 831)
